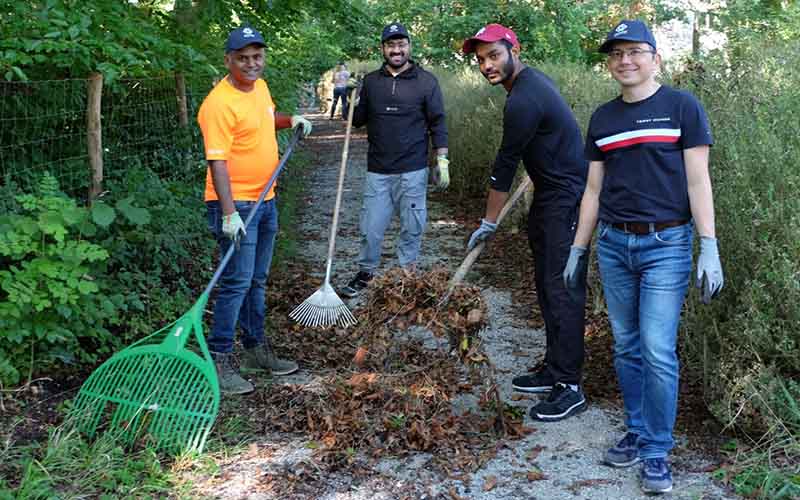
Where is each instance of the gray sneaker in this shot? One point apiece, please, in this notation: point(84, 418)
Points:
point(230, 382)
point(625, 453)
point(656, 476)
point(262, 358)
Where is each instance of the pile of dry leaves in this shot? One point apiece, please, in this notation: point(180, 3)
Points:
point(386, 392)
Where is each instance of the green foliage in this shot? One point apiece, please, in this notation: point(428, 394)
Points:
point(548, 30)
point(51, 304)
point(53, 39)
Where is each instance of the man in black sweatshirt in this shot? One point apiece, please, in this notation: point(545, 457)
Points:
point(401, 105)
point(540, 130)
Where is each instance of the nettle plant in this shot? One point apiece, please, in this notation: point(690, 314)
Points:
point(53, 305)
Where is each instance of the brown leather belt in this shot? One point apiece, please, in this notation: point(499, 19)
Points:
point(646, 227)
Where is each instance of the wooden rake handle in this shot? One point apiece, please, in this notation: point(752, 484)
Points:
point(342, 169)
point(472, 256)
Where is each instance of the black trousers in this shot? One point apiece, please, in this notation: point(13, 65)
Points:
point(339, 93)
point(551, 232)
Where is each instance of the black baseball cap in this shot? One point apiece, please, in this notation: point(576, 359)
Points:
point(242, 37)
point(394, 30)
point(628, 31)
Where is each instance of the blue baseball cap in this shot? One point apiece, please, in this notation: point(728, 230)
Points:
point(394, 30)
point(628, 31)
point(242, 37)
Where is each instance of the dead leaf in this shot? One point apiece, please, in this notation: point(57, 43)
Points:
point(533, 453)
point(536, 475)
point(489, 483)
point(474, 316)
point(360, 356)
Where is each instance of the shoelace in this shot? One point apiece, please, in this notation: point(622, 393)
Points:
point(629, 441)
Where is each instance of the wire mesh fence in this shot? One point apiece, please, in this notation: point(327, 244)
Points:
point(146, 122)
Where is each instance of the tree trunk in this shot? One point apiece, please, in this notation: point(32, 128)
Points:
point(180, 94)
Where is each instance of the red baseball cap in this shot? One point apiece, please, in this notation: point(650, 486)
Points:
point(490, 33)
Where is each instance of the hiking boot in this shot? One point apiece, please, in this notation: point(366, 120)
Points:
point(537, 382)
point(562, 402)
point(230, 382)
point(357, 284)
point(625, 453)
point(262, 358)
point(656, 476)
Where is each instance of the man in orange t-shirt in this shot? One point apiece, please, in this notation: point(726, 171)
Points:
point(239, 121)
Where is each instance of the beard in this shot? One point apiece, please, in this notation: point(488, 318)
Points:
point(403, 61)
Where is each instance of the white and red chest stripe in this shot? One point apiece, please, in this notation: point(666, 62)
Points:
point(646, 135)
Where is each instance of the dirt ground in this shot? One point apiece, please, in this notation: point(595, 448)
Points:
point(544, 461)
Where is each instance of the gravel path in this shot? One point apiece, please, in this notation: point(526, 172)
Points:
point(569, 452)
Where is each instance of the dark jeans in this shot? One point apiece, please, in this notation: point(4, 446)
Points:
point(242, 287)
point(339, 93)
point(551, 231)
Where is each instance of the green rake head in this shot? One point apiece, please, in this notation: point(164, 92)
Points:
point(157, 393)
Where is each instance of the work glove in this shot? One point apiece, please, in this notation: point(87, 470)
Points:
point(709, 270)
point(484, 232)
point(233, 226)
point(574, 274)
point(441, 173)
point(299, 120)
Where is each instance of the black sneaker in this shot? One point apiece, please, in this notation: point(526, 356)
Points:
point(357, 284)
point(537, 382)
point(656, 476)
point(562, 402)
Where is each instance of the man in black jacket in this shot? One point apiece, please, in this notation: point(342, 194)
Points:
point(401, 105)
point(540, 130)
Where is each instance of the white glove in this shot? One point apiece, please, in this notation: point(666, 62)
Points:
point(233, 226)
point(299, 120)
point(441, 173)
point(484, 232)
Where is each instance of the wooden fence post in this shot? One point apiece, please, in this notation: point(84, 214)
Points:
point(94, 133)
point(180, 93)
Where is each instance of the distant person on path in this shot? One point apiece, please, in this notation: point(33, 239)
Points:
point(238, 120)
point(401, 105)
point(340, 78)
point(648, 187)
point(540, 130)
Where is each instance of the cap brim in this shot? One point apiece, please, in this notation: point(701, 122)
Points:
point(469, 44)
point(606, 47)
point(231, 49)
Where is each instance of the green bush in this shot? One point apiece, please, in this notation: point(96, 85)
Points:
point(52, 304)
point(748, 342)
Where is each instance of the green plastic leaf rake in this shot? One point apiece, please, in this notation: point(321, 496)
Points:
point(157, 392)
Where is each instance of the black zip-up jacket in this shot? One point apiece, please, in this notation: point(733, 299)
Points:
point(402, 113)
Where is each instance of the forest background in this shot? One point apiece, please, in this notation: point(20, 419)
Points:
point(87, 267)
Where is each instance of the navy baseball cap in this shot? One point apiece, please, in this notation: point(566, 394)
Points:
point(394, 30)
point(242, 37)
point(628, 31)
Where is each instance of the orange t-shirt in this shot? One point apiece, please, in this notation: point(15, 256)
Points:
point(239, 127)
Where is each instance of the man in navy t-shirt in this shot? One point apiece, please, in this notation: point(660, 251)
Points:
point(540, 130)
point(648, 187)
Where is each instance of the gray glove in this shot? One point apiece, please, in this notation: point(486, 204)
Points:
point(484, 232)
point(575, 271)
point(709, 270)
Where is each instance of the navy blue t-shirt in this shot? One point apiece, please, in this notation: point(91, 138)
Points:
point(540, 129)
point(641, 145)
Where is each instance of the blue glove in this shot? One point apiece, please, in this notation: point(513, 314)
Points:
point(709, 270)
point(483, 233)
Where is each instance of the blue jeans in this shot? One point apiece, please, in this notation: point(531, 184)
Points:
point(645, 279)
point(383, 195)
point(241, 291)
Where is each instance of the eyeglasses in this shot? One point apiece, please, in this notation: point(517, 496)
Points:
point(394, 45)
point(618, 54)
